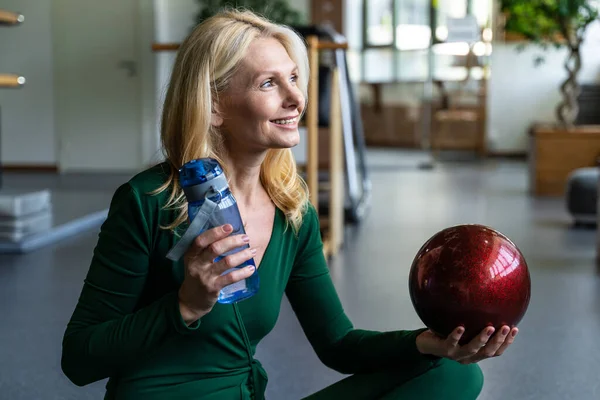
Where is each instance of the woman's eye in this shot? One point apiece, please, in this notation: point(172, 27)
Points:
point(270, 82)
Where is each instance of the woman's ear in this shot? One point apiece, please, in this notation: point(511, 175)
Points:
point(215, 119)
point(215, 116)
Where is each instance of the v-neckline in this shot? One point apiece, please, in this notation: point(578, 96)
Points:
point(275, 226)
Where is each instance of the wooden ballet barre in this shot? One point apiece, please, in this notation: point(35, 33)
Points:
point(326, 45)
point(10, 18)
point(165, 46)
point(11, 81)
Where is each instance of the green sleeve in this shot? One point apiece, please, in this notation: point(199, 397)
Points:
point(106, 330)
point(338, 345)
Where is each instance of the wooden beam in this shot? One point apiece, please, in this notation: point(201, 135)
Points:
point(11, 81)
point(30, 168)
point(336, 167)
point(325, 45)
point(157, 47)
point(312, 123)
point(10, 18)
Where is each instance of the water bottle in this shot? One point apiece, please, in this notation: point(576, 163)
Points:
point(211, 204)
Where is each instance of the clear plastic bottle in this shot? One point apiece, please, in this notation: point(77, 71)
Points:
point(204, 179)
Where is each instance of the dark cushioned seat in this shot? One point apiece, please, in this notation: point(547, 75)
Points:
point(582, 195)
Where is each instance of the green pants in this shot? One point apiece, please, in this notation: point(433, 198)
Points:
point(447, 380)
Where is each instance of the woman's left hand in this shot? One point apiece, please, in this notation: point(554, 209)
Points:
point(479, 348)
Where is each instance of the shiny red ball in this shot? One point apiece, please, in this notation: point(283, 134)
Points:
point(471, 276)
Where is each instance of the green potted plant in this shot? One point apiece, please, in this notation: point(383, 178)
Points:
point(278, 11)
point(558, 23)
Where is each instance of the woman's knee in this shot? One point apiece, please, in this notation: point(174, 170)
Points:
point(466, 379)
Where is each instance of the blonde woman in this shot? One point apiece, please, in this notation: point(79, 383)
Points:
point(153, 326)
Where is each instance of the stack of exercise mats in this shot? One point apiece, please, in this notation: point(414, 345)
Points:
point(25, 219)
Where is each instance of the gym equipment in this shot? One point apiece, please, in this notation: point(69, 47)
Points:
point(332, 221)
point(471, 276)
point(582, 195)
point(358, 184)
point(24, 213)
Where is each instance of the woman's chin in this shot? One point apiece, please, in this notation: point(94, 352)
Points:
point(288, 143)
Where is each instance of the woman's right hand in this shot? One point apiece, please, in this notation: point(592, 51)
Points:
point(481, 347)
point(203, 277)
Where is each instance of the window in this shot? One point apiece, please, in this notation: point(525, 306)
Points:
point(379, 23)
point(405, 24)
point(413, 30)
point(397, 36)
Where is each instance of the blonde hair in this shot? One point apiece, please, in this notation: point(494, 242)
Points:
point(205, 64)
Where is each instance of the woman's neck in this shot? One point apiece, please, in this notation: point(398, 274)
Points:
point(244, 178)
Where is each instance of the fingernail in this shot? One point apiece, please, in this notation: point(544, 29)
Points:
point(460, 331)
point(246, 238)
point(490, 331)
point(227, 228)
point(251, 268)
point(514, 333)
point(505, 330)
point(253, 251)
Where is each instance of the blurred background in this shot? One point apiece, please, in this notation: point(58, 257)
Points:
point(450, 111)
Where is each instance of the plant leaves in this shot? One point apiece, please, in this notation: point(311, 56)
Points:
point(548, 21)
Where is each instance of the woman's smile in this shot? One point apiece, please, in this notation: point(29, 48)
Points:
point(286, 123)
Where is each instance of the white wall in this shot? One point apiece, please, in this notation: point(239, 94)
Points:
point(521, 94)
point(148, 70)
point(173, 20)
point(27, 119)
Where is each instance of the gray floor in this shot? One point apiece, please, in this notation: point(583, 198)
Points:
point(555, 355)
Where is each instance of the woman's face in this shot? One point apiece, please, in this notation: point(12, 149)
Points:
point(261, 107)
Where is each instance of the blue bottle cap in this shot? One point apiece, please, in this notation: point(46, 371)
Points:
point(199, 171)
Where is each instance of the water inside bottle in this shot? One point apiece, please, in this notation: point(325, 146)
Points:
point(229, 213)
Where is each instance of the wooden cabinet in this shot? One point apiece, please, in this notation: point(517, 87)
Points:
point(555, 153)
point(391, 125)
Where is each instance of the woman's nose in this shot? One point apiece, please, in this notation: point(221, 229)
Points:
point(293, 97)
